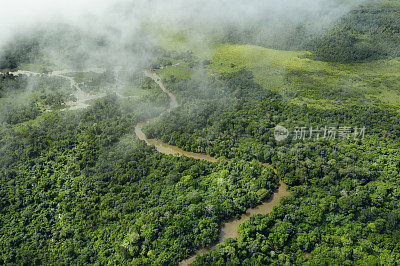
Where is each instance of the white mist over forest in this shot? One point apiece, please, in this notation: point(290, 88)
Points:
point(120, 20)
point(145, 132)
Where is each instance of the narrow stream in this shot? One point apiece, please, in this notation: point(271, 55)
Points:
point(230, 229)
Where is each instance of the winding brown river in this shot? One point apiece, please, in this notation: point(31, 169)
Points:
point(230, 229)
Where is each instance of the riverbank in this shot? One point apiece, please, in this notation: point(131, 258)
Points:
point(230, 229)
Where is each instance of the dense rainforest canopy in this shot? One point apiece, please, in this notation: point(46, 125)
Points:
point(77, 186)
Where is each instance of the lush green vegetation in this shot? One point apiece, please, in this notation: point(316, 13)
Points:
point(18, 52)
point(235, 117)
point(78, 187)
point(24, 98)
point(368, 32)
point(343, 209)
point(340, 189)
point(305, 81)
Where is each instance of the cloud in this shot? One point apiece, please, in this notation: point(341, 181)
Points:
point(204, 13)
point(20, 14)
point(119, 22)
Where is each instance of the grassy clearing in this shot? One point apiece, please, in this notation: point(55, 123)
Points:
point(315, 83)
point(81, 77)
point(178, 38)
point(229, 57)
point(302, 80)
point(35, 68)
point(172, 72)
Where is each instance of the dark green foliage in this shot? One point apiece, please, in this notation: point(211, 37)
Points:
point(78, 188)
point(335, 213)
point(18, 52)
point(235, 117)
point(343, 210)
point(24, 98)
point(368, 32)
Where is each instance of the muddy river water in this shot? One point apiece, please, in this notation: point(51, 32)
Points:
point(230, 229)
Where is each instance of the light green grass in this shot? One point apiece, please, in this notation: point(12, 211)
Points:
point(178, 73)
point(315, 83)
point(80, 77)
point(35, 68)
point(304, 81)
point(178, 37)
point(253, 57)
